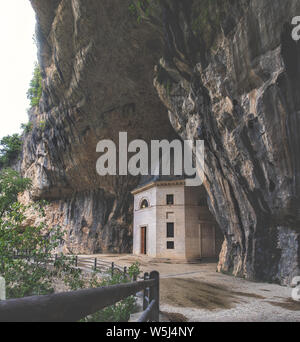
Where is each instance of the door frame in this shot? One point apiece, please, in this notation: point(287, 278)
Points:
point(143, 228)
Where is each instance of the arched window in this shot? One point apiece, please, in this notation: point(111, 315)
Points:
point(144, 204)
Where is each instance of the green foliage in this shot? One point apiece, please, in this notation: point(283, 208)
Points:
point(121, 311)
point(207, 17)
point(133, 10)
point(27, 128)
point(134, 270)
point(142, 9)
point(10, 147)
point(30, 273)
point(168, 86)
point(42, 125)
point(11, 184)
point(27, 276)
point(34, 93)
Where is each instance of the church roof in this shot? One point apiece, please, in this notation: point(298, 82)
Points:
point(159, 181)
point(151, 180)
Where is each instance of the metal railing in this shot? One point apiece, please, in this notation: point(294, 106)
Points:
point(76, 305)
point(86, 263)
point(96, 264)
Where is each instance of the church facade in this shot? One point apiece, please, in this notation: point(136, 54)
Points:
point(173, 221)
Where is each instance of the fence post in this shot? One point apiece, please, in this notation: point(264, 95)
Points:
point(2, 289)
point(154, 295)
point(76, 261)
point(146, 294)
point(95, 264)
point(125, 271)
point(112, 268)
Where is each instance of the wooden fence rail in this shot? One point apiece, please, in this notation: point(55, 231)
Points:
point(73, 306)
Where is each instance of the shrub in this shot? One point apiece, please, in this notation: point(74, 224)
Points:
point(143, 8)
point(34, 92)
point(134, 270)
point(27, 128)
point(121, 311)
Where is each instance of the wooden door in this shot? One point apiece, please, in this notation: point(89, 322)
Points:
point(143, 240)
point(207, 240)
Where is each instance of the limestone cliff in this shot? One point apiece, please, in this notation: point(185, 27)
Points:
point(228, 72)
point(97, 65)
point(231, 76)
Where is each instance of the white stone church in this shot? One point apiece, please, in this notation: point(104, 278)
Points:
point(173, 221)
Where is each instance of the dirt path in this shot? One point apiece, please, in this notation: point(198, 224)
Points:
point(196, 292)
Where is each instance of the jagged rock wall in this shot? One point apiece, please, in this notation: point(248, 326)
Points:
point(235, 84)
point(229, 75)
point(97, 65)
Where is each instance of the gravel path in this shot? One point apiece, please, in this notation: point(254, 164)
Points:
point(232, 300)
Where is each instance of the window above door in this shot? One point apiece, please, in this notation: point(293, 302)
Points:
point(144, 204)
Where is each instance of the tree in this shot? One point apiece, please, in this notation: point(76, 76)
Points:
point(11, 184)
point(10, 148)
point(29, 274)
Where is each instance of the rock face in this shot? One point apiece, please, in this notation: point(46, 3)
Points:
point(230, 75)
point(235, 83)
point(97, 65)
